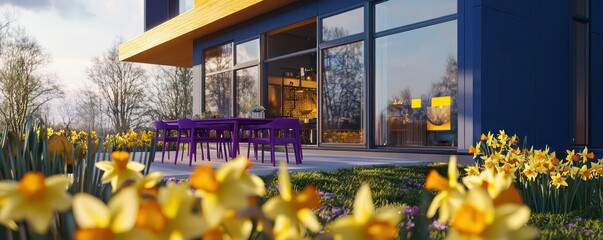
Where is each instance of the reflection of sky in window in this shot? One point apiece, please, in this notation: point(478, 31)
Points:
point(415, 59)
point(351, 22)
point(186, 5)
point(248, 51)
point(396, 13)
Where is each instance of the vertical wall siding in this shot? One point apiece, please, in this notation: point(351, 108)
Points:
point(155, 13)
point(524, 70)
point(596, 101)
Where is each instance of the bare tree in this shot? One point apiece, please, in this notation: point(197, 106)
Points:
point(23, 89)
point(173, 88)
point(121, 86)
point(89, 111)
point(66, 114)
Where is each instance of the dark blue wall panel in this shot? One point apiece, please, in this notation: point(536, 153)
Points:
point(507, 78)
point(155, 13)
point(597, 16)
point(520, 8)
point(596, 86)
point(552, 74)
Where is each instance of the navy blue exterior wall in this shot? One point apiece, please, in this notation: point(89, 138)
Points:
point(155, 13)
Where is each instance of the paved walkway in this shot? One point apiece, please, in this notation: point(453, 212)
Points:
point(314, 160)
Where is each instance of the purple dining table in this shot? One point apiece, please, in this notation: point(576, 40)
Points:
point(236, 124)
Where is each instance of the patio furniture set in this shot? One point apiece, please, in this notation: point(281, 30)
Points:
point(227, 134)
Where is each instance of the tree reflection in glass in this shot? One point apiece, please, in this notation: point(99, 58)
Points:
point(342, 86)
point(247, 90)
point(218, 79)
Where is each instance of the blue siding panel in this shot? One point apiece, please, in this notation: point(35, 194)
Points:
point(552, 66)
point(507, 77)
point(514, 7)
point(597, 16)
point(596, 86)
point(155, 13)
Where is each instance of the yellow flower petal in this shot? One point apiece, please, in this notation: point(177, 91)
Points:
point(363, 204)
point(123, 209)
point(284, 182)
point(308, 219)
point(135, 166)
point(89, 212)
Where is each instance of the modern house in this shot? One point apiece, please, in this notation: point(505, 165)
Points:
point(401, 75)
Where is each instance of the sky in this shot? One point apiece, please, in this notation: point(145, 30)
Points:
point(73, 32)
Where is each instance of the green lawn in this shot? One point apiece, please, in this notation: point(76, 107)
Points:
point(395, 185)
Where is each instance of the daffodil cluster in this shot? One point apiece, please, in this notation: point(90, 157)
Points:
point(539, 173)
point(484, 206)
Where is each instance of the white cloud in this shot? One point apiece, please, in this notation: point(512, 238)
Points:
point(69, 9)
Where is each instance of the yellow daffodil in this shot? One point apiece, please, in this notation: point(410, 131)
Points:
point(98, 221)
point(296, 207)
point(170, 216)
point(472, 170)
point(450, 192)
point(529, 172)
point(480, 217)
point(502, 137)
point(365, 222)
point(120, 169)
point(597, 169)
point(584, 173)
point(477, 150)
point(585, 155)
point(571, 156)
point(226, 190)
point(493, 183)
point(34, 199)
point(557, 180)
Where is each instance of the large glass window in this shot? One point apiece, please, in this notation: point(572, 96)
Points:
point(248, 51)
point(396, 13)
point(248, 84)
point(342, 94)
point(218, 79)
point(343, 25)
point(218, 94)
point(416, 82)
point(292, 39)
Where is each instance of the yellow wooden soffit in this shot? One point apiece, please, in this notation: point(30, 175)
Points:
point(171, 43)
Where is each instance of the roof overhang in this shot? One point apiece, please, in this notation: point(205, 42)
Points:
point(171, 43)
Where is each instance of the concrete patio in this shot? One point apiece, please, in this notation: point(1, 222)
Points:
point(314, 160)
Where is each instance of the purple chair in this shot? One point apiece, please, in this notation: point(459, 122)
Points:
point(164, 134)
point(192, 133)
point(277, 132)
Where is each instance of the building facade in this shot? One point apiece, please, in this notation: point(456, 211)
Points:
point(401, 75)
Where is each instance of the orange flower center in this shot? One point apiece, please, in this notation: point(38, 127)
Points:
point(510, 195)
point(555, 161)
point(150, 216)
point(380, 230)
point(32, 186)
point(93, 234)
point(204, 177)
point(469, 221)
point(308, 198)
point(590, 155)
point(213, 234)
point(121, 159)
point(574, 157)
point(587, 174)
point(436, 181)
point(483, 137)
point(472, 149)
